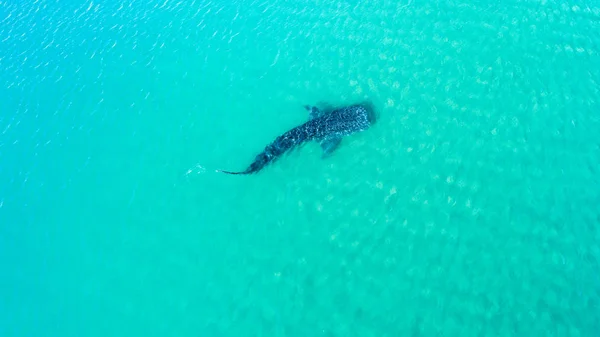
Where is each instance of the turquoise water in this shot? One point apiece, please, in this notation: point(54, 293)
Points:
point(469, 209)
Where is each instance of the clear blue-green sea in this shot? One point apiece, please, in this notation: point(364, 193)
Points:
point(471, 208)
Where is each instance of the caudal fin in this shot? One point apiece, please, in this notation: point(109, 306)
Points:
point(228, 172)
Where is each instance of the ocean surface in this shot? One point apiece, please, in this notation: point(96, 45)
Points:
point(471, 208)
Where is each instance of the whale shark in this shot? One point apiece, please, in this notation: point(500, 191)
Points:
point(326, 125)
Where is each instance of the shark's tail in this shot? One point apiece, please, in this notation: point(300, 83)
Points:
point(227, 172)
point(261, 161)
point(275, 150)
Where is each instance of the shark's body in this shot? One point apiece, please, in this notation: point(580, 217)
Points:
point(325, 126)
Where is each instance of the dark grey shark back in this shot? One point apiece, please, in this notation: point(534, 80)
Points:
point(341, 122)
point(323, 127)
point(282, 144)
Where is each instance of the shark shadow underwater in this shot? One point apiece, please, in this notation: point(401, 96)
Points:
point(326, 125)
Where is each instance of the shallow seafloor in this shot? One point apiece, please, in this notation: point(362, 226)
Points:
point(470, 209)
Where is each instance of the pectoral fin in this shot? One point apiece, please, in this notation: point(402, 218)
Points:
point(314, 112)
point(329, 145)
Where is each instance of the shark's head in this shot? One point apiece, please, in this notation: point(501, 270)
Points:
point(372, 115)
